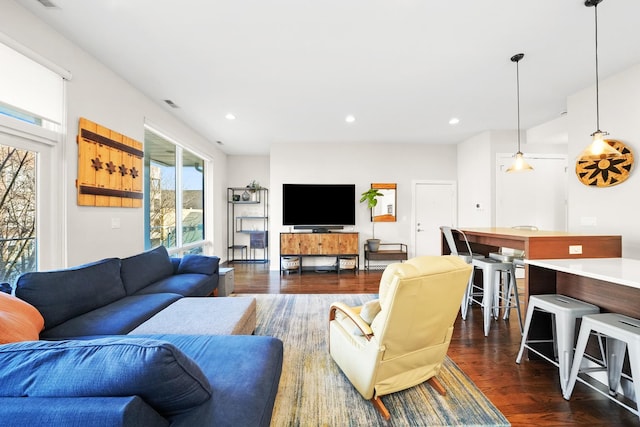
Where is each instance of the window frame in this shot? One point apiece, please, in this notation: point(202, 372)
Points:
point(201, 246)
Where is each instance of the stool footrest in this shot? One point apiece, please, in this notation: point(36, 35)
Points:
point(542, 355)
point(597, 386)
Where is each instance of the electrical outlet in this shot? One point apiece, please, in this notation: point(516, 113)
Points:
point(115, 222)
point(575, 249)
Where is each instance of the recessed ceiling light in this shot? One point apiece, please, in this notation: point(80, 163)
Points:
point(350, 119)
point(48, 3)
point(171, 104)
point(454, 121)
point(230, 116)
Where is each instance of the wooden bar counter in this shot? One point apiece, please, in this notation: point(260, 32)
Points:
point(613, 284)
point(540, 244)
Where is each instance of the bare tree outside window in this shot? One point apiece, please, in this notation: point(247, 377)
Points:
point(17, 212)
point(162, 212)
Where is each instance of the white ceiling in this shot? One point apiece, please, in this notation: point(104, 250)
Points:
point(292, 70)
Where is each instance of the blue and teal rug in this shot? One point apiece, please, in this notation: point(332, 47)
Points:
point(314, 392)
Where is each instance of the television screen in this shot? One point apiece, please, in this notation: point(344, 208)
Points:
point(318, 204)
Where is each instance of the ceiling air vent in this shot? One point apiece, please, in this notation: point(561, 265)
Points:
point(47, 3)
point(171, 104)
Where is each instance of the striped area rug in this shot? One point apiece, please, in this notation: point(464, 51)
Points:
point(314, 392)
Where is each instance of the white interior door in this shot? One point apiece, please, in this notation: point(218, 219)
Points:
point(538, 197)
point(435, 204)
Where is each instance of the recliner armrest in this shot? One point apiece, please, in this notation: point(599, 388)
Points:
point(353, 316)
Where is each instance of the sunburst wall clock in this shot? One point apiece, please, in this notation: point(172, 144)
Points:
point(606, 172)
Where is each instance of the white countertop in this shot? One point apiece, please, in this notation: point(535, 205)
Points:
point(622, 271)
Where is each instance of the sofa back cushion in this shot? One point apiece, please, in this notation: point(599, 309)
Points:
point(155, 370)
point(146, 268)
point(199, 264)
point(19, 321)
point(64, 294)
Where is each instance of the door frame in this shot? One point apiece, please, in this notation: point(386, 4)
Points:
point(503, 159)
point(414, 185)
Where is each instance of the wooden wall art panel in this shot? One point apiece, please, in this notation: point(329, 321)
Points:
point(109, 167)
point(606, 172)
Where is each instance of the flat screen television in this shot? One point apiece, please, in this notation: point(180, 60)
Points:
point(318, 207)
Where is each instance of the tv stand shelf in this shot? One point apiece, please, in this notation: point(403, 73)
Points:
point(392, 252)
point(342, 246)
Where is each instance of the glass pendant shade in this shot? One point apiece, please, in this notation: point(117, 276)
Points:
point(599, 148)
point(519, 164)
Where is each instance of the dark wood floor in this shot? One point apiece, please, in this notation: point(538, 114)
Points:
point(527, 394)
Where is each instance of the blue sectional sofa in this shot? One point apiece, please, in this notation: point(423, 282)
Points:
point(160, 380)
point(85, 371)
point(113, 296)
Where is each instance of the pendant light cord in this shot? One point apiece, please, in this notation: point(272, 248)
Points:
point(518, 98)
point(595, 7)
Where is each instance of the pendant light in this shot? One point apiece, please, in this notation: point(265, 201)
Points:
point(599, 148)
point(519, 164)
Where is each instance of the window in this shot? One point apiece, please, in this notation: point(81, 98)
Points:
point(175, 196)
point(31, 181)
point(17, 212)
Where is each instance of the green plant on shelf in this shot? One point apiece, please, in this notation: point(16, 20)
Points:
point(254, 186)
point(371, 197)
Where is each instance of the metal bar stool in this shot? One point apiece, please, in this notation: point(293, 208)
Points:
point(515, 256)
point(517, 261)
point(467, 256)
point(622, 334)
point(565, 311)
point(492, 296)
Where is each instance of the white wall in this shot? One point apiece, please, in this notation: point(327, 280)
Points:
point(615, 209)
point(241, 170)
point(475, 181)
point(103, 97)
point(359, 164)
point(476, 172)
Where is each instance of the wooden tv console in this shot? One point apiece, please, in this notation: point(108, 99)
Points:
point(338, 245)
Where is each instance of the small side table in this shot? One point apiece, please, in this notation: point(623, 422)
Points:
point(391, 252)
point(225, 282)
point(231, 253)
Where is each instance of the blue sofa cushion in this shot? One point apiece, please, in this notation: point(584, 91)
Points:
point(64, 294)
point(188, 285)
point(157, 371)
point(146, 268)
point(129, 411)
point(199, 264)
point(118, 318)
point(244, 373)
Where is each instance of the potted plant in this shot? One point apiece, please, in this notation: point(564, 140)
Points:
point(254, 185)
point(371, 197)
point(250, 192)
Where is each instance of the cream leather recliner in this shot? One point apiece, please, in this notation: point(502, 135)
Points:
point(406, 342)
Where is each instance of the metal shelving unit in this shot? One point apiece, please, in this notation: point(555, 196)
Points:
point(247, 224)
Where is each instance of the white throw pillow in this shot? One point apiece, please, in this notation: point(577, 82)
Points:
point(368, 312)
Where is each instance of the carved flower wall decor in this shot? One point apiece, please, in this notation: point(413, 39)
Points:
point(606, 172)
